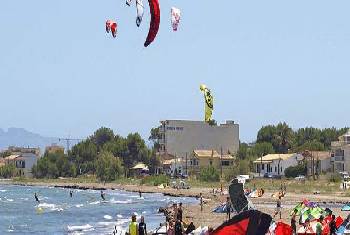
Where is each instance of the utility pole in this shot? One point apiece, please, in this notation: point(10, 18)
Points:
point(68, 141)
point(221, 163)
point(260, 164)
point(186, 165)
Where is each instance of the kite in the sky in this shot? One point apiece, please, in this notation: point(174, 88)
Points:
point(175, 18)
point(155, 21)
point(128, 2)
point(140, 9)
point(111, 26)
point(209, 103)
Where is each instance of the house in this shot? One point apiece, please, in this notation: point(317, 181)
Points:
point(317, 162)
point(23, 162)
point(340, 155)
point(276, 164)
point(203, 158)
point(174, 167)
point(139, 169)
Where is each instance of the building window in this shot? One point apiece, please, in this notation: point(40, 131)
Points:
point(262, 166)
point(275, 168)
point(211, 162)
point(225, 163)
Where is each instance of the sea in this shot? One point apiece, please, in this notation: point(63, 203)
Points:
point(84, 213)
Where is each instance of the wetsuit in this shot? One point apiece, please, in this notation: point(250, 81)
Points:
point(142, 228)
point(36, 198)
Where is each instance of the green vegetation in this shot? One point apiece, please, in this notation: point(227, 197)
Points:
point(294, 171)
point(104, 154)
point(8, 171)
point(155, 180)
point(209, 174)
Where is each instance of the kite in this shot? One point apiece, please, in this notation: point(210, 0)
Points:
point(139, 8)
point(209, 103)
point(128, 2)
point(175, 18)
point(111, 26)
point(155, 21)
point(250, 222)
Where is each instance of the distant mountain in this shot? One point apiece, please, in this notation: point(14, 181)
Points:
point(22, 138)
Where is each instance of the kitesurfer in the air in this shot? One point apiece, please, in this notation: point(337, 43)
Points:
point(36, 198)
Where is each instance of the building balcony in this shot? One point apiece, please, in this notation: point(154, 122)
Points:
point(337, 159)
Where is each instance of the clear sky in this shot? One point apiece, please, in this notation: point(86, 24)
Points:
point(265, 62)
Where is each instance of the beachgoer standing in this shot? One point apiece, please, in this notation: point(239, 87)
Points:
point(278, 208)
point(293, 222)
point(179, 212)
point(228, 208)
point(201, 201)
point(190, 228)
point(142, 227)
point(170, 230)
point(36, 198)
point(319, 226)
point(178, 228)
point(332, 226)
point(133, 230)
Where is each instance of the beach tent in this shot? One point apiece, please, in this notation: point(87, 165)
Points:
point(256, 193)
point(222, 209)
point(283, 229)
point(251, 222)
point(345, 208)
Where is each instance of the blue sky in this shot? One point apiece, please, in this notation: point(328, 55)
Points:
point(265, 62)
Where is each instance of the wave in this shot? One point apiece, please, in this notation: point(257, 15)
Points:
point(79, 205)
point(52, 207)
point(84, 228)
point(3, 190)
point(95, 203)
point(113, 201)
point(107, 217)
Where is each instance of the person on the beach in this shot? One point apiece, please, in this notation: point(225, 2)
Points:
point(36, 198)
point(142, 227)
point(170, 230)
point(103, 196)
point(174, 211)
point(133, 230)
point(178, 227)
point(70, 193)
point(293, 222)
point(278, 208)
point(319, 226)
point(332, 226)
point(179, 212)
point(228, 208)
point(201, 201)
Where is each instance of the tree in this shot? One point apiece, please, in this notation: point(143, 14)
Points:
point(155, 136)
point(108, 167)
point(102, 136)
point(294, 171)
point(209, 174)
point(262, 148)
point(266, 134)
point(283, 138)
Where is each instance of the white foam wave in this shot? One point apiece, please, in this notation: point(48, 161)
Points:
point(79, 205)
point(119, 216)
point(9, 200)
point(95, 203)
point(52, 207)
point(113, 201)
point(85, 227)
point(3, 190)
point(108, 217)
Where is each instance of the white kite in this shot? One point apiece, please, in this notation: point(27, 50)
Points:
point(175, 18)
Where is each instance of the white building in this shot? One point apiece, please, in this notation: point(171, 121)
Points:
point(180, 137)
point(23, 162)
point(340, 157)
point(276, 164)
point(174, 167)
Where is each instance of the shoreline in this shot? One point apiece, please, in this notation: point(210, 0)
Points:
point(206, 217)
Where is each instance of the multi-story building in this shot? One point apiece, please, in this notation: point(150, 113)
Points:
point(180, 138)
point(340, 156)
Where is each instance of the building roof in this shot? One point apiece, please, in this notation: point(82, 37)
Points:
point(140, 166)
point(211, 154)
point(271, 157)
point(321, 155)
point(11, 157)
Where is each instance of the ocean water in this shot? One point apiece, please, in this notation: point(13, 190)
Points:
point(84, 213)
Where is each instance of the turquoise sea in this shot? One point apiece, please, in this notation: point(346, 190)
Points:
point(84, 213)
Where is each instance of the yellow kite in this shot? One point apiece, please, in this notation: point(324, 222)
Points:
point(209, 102)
